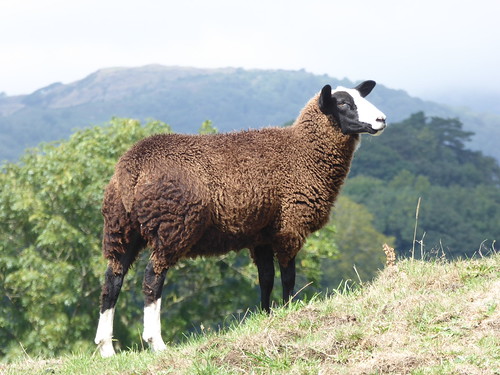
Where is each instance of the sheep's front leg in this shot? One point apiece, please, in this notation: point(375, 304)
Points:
point(288, 280)
point(264, 259)
point(152, 288)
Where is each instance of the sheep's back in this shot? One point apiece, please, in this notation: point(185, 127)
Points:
point(239, 175)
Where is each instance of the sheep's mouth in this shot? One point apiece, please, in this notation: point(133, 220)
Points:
point(378, 131)
point(368, 129)
point(372, 131)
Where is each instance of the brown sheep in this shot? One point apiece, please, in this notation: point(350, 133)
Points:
point(265, 190)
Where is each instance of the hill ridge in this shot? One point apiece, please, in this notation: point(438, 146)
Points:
point(184, 97)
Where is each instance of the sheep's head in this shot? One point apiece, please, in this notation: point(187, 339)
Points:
point(351, 111)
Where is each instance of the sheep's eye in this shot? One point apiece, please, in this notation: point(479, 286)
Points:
point(344, 105)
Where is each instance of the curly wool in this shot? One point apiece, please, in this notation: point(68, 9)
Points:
point(202, 195)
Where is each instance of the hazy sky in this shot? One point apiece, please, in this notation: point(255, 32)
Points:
point(422, 46)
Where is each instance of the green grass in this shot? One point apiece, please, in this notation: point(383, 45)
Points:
point(432, 317)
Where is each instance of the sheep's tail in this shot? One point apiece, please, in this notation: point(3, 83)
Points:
point(125, 180)
point(120, 233)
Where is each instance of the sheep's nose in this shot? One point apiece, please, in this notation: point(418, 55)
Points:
point(381, 121)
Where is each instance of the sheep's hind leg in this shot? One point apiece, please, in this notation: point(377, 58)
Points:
point(121, 245)
point(152, 287)
point(113, 281)
point(288, 280)
point(104, 335)
point(118, 265)
point(264, 259)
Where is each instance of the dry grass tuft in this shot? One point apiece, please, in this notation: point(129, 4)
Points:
point(390, 256)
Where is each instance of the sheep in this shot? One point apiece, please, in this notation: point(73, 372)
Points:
point(186, 196)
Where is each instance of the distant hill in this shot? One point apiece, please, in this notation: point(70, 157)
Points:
point(185, 97)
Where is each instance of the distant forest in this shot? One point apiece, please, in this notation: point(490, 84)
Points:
point(427, 158)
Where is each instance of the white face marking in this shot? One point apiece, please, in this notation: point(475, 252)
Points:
point(367, 112)
point(104, 334)
point(152, 326)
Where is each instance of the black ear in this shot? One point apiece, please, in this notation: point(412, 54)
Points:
point(365, 88)
point(326, 103)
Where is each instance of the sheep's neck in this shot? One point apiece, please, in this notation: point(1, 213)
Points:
point(331, 153)
point(333, 156)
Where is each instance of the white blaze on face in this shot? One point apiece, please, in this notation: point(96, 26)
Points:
point(152, 326)
point(367, 112)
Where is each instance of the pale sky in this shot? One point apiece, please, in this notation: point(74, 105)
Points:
point(422, 47)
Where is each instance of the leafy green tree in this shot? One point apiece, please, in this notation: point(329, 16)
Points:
point(435, 148)
point(207, 128)
point(452, 220)
point(428, 159)
point(51, 268)
point(359, 245)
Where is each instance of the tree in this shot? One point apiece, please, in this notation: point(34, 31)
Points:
point(207, 128)
point(454, 220)
point(427, 158)
point(51, 268)
point(359, 245)
point(433, 147)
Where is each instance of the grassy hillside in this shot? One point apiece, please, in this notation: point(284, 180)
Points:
point(417, 317)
